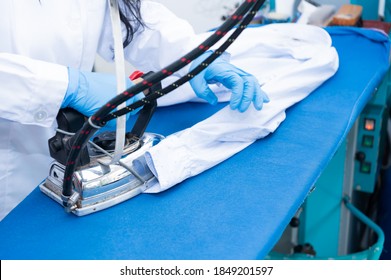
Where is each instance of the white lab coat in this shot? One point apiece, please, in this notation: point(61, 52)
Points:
point(40, 39)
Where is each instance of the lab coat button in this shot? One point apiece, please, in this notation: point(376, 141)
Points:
point(40, 116)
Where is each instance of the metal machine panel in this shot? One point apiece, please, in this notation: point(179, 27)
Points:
point(327, 227)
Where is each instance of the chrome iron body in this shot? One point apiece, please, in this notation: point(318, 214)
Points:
point(98, 186)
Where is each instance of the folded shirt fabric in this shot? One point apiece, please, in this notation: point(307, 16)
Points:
point(289, 60)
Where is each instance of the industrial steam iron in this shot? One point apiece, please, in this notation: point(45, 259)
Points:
point(96, 184)
point(109, 167)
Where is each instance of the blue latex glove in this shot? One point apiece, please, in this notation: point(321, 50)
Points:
point(88, 91)
point(245, 87)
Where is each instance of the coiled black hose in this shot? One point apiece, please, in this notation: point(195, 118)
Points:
point(241, 17)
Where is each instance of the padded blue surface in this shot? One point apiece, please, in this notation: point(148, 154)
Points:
point(236, 210)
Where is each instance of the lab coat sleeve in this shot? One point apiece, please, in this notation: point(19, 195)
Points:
point(31, 90)
point(196, 149)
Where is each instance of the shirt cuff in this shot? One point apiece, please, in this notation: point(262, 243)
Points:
point(170, 162)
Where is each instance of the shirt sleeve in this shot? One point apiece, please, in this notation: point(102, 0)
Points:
point(300, 66)
point(32, 90)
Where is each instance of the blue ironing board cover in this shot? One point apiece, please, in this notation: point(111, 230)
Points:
point(236, 210)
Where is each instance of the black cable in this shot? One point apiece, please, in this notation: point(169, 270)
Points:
point(177, 65)
point(190, 75)
point(79, 141)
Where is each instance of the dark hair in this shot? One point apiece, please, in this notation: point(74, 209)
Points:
point(130, 16)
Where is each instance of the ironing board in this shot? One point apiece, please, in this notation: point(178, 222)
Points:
point(236, 210)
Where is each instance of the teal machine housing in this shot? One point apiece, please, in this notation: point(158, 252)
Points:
point(370, 143)
point(333, 222)
point(326, 222)
point(371, 9)
point(336, 220)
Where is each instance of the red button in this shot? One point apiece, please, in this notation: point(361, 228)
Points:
point(135, 75)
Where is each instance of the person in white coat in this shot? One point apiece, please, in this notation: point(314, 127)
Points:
point(47, 53)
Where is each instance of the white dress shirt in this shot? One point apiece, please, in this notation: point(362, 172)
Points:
point(290, 62)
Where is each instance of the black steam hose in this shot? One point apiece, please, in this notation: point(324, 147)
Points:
point(241, 17)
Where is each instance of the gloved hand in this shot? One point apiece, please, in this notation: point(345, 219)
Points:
point(245, 87)
point(88, 91)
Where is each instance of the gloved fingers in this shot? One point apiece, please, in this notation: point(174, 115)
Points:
point(208, 95)
point(252, 92)
point(260, 97)
point(245, 88)
point(253, 89)
point(202, 89)
point(250, 86)
point(235, 83)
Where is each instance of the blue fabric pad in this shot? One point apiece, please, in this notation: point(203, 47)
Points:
point(236, 210)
